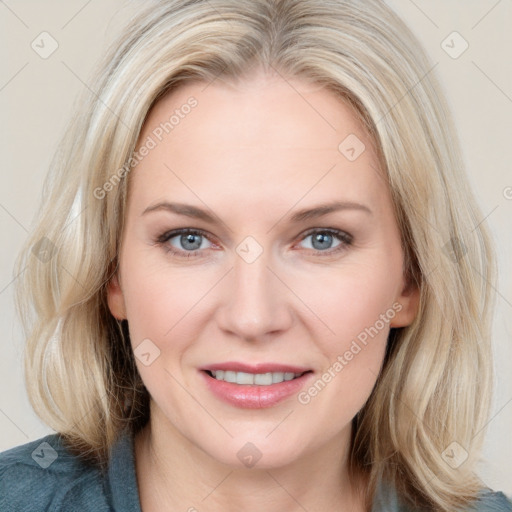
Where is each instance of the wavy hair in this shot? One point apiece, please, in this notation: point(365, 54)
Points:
point(435, 385)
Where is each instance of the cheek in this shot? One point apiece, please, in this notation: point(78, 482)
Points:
point(352, 357)
point(163, 303)
point(356, 308)
point(351, 299)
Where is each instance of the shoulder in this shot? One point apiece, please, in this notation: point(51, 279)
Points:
point(43, 475)
point(388, 500)
point(490, 501)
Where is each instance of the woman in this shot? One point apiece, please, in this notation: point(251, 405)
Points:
point(259, 280)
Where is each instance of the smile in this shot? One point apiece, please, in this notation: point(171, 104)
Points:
point(258, 379)
point(256, 389)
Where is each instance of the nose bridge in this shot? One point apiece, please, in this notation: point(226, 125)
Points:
point(257, 303)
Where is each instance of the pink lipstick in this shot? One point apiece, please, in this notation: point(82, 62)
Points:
point(254, 386)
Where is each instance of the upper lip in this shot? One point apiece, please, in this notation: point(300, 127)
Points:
point(256, 368)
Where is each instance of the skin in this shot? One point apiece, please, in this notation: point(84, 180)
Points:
point(255, 153)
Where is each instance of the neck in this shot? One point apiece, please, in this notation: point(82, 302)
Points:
point(173, 473)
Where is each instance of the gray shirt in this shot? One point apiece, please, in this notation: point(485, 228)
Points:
point(43, 476)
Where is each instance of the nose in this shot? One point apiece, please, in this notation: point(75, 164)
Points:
point(258, 302)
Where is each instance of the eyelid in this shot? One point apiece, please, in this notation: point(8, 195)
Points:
point(171, 233)
point(342, 235)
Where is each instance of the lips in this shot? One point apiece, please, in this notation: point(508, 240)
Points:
point(257, 395)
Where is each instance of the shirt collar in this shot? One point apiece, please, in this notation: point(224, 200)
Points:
point(121, 477)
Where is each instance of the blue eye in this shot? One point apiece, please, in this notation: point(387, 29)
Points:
point(187, 243)
point(322, 240)
point(190, 241)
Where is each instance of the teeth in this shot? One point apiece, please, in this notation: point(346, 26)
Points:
point(260, 379)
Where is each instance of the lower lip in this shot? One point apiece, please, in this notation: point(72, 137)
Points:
point(249, 396)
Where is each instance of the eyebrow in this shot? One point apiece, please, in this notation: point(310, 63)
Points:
point(189, 210)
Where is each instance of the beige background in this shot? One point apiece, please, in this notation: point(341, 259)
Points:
point(36, 98)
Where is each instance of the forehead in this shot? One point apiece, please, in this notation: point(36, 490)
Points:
point(264, 139)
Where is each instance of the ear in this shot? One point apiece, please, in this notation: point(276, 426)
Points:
point(115, 298)
point(409, 300)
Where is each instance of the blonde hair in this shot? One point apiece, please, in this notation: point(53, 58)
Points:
point(435, 385)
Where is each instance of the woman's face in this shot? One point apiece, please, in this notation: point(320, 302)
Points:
point(292, 263)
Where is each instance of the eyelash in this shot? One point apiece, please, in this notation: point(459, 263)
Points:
point(345, 239)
